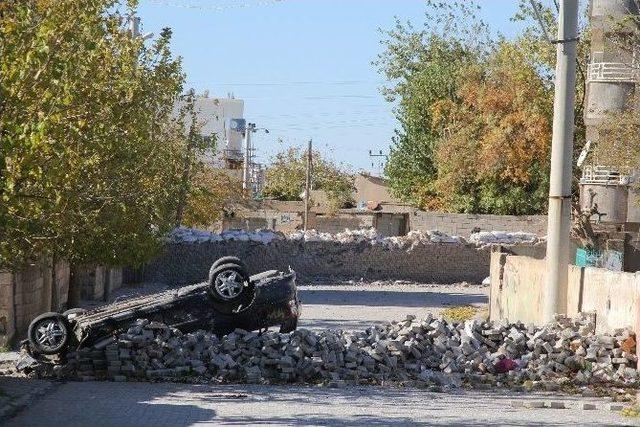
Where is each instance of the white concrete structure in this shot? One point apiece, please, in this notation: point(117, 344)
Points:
point(216, 115)
point(612, 79)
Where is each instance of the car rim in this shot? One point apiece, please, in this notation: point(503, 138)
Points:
point(50, 334)
point(229, 284)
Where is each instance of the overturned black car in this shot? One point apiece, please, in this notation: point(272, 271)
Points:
point(230, 299)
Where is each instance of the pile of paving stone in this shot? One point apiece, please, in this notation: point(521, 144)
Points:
point(429, 352)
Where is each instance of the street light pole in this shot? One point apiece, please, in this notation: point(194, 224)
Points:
point(559, 219)
point(247, 157)
point(134, 25)
point(307, 186)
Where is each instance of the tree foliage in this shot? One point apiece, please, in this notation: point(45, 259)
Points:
point(210, 191)
point(92, 160)
point(286, 177)
point(493, 152)
point(422, 66)
point(618, 145)
point(474, 112)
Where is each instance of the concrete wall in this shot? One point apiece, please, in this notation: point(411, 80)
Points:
point(612, 200)
point(338, 223)
point(463, 224)
point(284, 221)
point(517, 292)
point(388, 224)
point(95, 283)
point(29, 292)
point(371, 188)
point(185, 263)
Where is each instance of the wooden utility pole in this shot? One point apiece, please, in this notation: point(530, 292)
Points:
point(307, 186)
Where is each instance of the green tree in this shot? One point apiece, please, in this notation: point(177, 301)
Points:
point(91, 158)
point(211, 190)
point(494, 155)
point(423, 67)
point(286, 177)
point(474, 111)
point(542, 55)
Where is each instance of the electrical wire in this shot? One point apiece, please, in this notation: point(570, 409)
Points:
point(234, 5)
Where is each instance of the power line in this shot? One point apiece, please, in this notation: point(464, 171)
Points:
point(294, 83)
point(222, 8)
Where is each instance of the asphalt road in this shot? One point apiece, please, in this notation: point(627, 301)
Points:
point(325, 305)
point(358, 305)
point(104, 404)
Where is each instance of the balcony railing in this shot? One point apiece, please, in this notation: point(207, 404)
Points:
point(612, 72)
point(603, 175)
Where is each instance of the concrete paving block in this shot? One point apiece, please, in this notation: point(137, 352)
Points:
point(536, 404)
point(556, 404)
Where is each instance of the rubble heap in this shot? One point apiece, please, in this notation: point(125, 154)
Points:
point(503, 238)
point(430, 352)
point(370, 236)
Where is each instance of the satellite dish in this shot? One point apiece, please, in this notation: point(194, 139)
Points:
point(237, 124)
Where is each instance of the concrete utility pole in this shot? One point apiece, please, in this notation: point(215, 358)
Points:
point(559, 226)
point(307, 186)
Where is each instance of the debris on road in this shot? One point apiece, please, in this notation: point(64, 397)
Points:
point(430, 352)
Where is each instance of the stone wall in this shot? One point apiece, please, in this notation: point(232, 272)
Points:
point(463, 224)
point(29, 292)
point(184, 263)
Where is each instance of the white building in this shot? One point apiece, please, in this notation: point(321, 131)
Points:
point(219, 117)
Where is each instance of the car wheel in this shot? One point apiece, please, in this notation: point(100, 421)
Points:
point(229, 282)
point(49, 333)
point(289, 325)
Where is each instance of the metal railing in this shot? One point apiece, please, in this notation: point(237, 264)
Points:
point(232, 154)
point(602, 175)
point(612, 72)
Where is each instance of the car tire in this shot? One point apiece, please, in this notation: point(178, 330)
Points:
point(229, 283)
point(227, 260)
point(49, 334)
